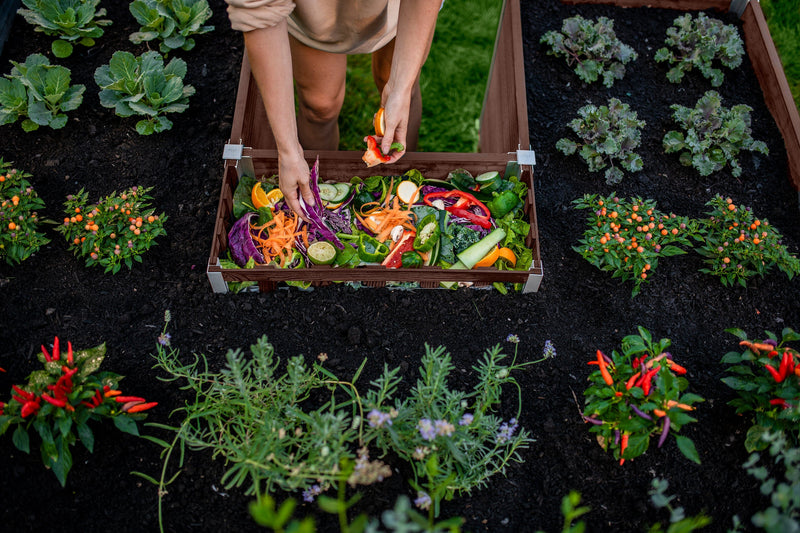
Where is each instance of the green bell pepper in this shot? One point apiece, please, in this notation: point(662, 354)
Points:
point(427, 233)
point(371, 250)
point(503, 203)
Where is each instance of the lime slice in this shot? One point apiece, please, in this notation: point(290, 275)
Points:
point(322, 253)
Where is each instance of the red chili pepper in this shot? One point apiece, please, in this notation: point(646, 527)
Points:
point(55, 401)
point(30, 408)
point(787, 365)
point(47, 356)
point(28, 396)
point(109, 393)
point(126, 399)
point(779, 401)
point(775, 374)
point(623, 445)
point(632, 380)
point(56, 350)
point(772, 354)
point(142, 407)
point(69, 353)
point(463, 206)
point(648, 379)
point(603, 370)
point(675, 367)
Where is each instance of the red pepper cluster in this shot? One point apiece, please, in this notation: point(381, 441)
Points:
point(30, 402)
point(465, 206)
point(786, 368)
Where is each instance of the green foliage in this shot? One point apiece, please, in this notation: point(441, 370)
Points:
point(608, 137)
point(19, 218)
point(712, 135)
point(641, 393)
point(115, 231)
point(628, 237)
point(592, 47)
point(59, 401)
point(738, 246)
point(783, 514)
point(71, 21)
point(452, 439)
point(39, 93)
point(678, 521)
point(698, 43)
point(173, 22)
point(773, 403)
point(571, 512)
point(784, 28)
point(144, 86)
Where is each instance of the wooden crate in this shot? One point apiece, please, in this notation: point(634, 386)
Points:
point(503, 137)
point(763, 56)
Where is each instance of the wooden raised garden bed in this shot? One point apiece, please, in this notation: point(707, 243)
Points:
point(763, 56)
point(503, 138)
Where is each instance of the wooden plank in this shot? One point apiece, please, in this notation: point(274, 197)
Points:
point(504, 116)
point(777, 95)
point(687, 5)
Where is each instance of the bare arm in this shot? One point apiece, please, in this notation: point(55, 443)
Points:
point(271, 64)
point(415, 27)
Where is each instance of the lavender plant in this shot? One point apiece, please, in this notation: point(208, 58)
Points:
point(592, 48)
point(698, 43)
point(608, 134)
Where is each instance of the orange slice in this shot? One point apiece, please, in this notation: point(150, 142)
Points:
point(379, 122)
point(261, 198)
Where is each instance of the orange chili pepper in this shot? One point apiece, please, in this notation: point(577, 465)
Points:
point(603, 370)
point(142, 407)
point(623, 445)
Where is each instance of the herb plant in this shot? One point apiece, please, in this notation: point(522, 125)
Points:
point(712, 135)
point(764, 377)
point(608, 137)
point(454, 440)
point(19, 218)
point(627, 237)
point(172, 22)
point(115, 231)
point(698, 43)
point(59, 401)
point(71, 21)
point(39, 93)
point(637, 393)
point(783, 514)
point(592, 48)
point(738, 246)
point(144, 86)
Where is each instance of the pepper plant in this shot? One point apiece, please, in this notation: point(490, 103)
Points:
point(113, 232)
point(628, 237)
point(39, 93)
point(636, 393)
point(172, 22)
point(70, 21)
point(608, 134)
point(592, 48)
point(144, 86)
point(20, 235)
point(712, 135)
point(60, 399)
point(765, 377)
point(737, 245)
point(699, 43)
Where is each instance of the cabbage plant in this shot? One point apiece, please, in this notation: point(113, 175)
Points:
point(171, 21)
point(71, 21)
point(144, 86)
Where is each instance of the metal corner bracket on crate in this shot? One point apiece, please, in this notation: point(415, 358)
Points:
point(244, 164)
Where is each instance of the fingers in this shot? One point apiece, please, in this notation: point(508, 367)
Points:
point(293, 180)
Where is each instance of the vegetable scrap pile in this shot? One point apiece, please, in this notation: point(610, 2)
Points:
point(407, 221)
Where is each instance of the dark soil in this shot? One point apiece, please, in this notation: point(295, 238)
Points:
point(579, 308)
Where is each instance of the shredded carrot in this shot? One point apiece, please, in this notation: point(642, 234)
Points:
point(282, 233)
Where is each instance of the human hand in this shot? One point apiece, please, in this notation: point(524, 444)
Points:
point(395, 120)
point(293, 180)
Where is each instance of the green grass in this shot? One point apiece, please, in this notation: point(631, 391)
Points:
point(783, 18)
point(453, 82)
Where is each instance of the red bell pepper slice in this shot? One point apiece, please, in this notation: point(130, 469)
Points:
point(373, 155)
point(464, 201)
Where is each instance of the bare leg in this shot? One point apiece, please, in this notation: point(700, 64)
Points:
point(381, 67)
point(320, 85)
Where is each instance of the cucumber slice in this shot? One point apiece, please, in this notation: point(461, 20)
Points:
point(488, 181)
point(328, 191)
point(343, 191)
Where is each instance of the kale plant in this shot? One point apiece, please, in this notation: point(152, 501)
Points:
point(593, 49)
point(144, 86)
point(171, 21)
point(609, 135)
point(698, 43)
point(39, 93)
point(69, 20)
point(713, 135)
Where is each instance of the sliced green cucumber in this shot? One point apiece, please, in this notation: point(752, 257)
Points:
point(343, 191)
point(328, 191)
point(488, 181)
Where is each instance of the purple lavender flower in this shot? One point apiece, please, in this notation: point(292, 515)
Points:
point(423, 501)
point(506, 431)
point(466, 419)
point(443, 428)
point(549, 349)
point(310, 493)
point(378, 419)
point(164, 338)
point(426, 429)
